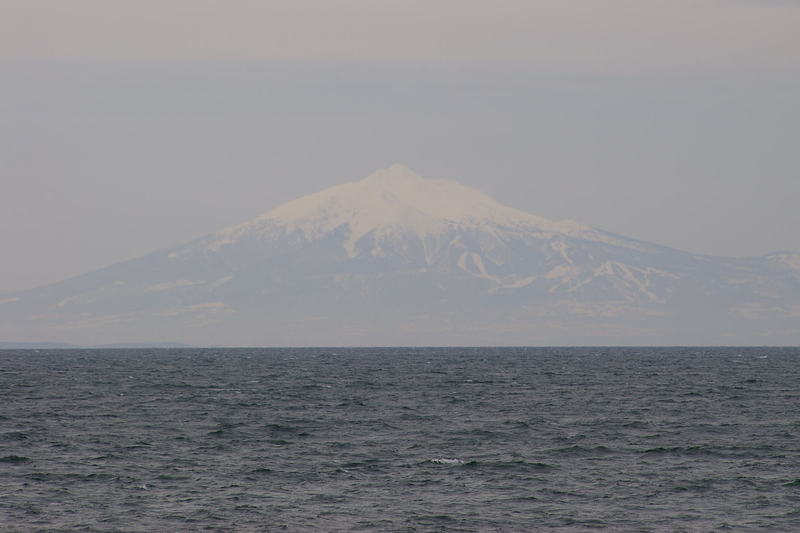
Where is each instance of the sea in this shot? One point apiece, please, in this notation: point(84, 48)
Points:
point(400, 439)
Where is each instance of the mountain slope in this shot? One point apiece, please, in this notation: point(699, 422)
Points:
point(397, 258)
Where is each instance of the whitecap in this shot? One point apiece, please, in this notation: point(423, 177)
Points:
point(446, 461)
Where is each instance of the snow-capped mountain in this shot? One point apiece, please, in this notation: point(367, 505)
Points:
point(396, 258)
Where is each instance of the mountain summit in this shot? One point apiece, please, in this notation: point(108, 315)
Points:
point(397, 197)
point(391, 200)
point(396, 258)
point(396, 201)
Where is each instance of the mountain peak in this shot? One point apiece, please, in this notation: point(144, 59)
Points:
point(395, 173)
point(395, 200)
point(397, 196)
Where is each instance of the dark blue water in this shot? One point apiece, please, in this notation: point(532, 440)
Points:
point(461, 439)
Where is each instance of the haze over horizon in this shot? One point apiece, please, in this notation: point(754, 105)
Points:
point(399, 259)
point(134, 126)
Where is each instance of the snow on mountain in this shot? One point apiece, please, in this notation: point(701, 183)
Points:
point(394, 200)
point(395, 243)
point(397, 197)
point(786, 259)
point(395, 214)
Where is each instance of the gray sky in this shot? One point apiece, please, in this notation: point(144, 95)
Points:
point(129, 125)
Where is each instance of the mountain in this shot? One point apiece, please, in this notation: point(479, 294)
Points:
point(399, 259)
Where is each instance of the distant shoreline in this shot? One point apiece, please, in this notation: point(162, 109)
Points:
point(177, 345)
point(66, 346)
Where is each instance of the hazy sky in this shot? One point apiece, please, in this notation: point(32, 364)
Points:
point(130, 125)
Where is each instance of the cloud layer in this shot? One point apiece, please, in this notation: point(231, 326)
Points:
point(582, 34)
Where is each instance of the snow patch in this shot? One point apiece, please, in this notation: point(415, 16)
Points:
point(204, 309)
point(634, 278)
point(220, 282)
point(519, 283)
point(471, 262)
point(158, 287)
point(787, 259)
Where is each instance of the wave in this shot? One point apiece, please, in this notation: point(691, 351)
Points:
point(14, 459)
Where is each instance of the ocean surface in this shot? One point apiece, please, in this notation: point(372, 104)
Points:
point(399, 439)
